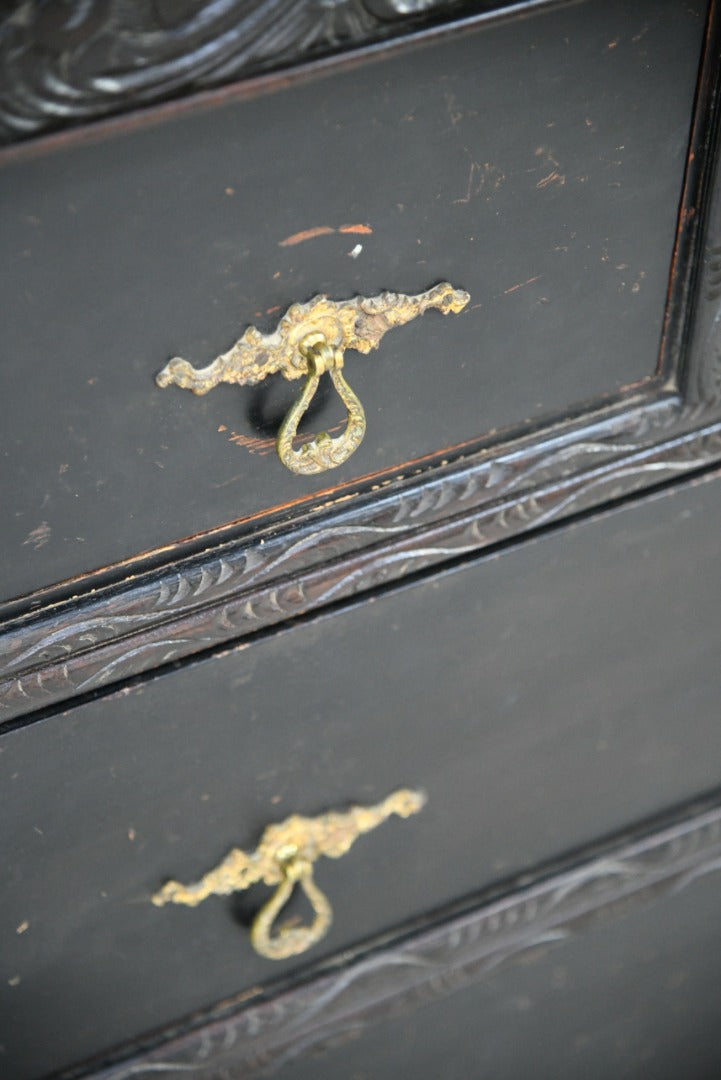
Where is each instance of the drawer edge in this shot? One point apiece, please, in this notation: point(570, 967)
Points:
point(543, 909)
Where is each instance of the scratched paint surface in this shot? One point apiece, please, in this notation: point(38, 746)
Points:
point(536, 164)
point(533, 728)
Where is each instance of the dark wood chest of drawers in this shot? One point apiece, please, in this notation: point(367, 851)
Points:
point(504, 601)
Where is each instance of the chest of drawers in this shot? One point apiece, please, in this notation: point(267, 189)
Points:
point(504, 599)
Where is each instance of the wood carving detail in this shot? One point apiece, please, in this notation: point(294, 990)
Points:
point(495, 491)
point(253, 584)
point(74, 60)
point(253, 1039)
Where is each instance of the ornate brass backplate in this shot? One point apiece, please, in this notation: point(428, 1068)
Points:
point(284, 857)
point(309, 340)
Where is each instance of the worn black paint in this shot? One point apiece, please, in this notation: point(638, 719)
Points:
point(127, 250)
point(639, 999)
point(542, 699)
point(504, 925)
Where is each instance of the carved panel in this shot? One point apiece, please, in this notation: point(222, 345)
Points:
point(250, 585)
point(75, 60)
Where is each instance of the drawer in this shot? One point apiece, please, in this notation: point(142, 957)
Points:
point(541, 698)
point(637, 999)
point(536, 163)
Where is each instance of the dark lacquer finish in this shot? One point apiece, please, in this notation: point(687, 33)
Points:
point(309, 645)
point(639, 997)
point(519, 160)
point(542, 698)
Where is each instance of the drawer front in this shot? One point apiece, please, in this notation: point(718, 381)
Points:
point(535, 163)
point(637, 999)
point(541, 699)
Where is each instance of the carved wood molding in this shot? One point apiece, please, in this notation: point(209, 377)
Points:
point(453, 509)
point(254, 584)
point(250, 1039)
point(71, 61)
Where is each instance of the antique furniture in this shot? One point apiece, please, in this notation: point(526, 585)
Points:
point(394, 745)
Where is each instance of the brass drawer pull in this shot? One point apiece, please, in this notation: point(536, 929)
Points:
point(322, 452)
point(310, 340)
point(284, 857)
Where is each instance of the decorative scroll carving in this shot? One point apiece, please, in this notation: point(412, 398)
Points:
point(275, 576)
point(74, 60)
point(493, 492)
point(462, 950)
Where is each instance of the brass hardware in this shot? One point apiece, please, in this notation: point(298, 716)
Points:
point(309, 340)
point(322, 452)
point(284, 857)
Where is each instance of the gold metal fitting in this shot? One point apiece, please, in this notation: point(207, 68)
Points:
point(284, 858)
point(310, 340)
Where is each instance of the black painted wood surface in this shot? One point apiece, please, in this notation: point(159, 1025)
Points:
point(639, 999)
point(645, 1002)
point(521, 161)
point(543, 698)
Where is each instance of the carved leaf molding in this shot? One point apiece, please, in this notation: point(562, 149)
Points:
point(65, 61)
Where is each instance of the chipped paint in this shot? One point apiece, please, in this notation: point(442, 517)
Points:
point(256, 445)
point(306, 234)
point(482, 177)
point(323, 230)
point(39, 536)
point(554, 177)
point(521, 285)
point(252, 443)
